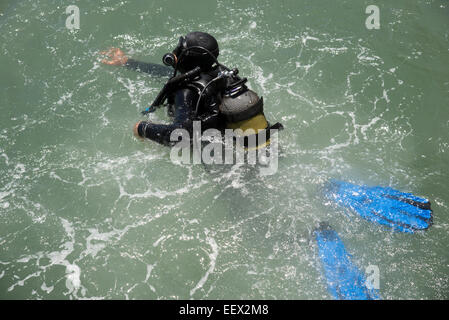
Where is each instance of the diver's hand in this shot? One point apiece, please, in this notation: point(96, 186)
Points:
point(117, 57)
point(135, 130)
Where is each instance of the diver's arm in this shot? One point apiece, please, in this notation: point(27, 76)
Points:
point(118, 58)
point(185, 100)
point(151, 68)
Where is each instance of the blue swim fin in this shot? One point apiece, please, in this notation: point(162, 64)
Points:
point(344, 280)
point(401, 211)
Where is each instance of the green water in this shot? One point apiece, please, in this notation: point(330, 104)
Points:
point(88, 211)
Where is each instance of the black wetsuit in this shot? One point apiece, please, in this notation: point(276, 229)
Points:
point(183, 100)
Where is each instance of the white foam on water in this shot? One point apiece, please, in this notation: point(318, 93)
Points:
point(73, 272)
point(55, 176)
point(161, 239)
point(157, 193)
point(150, 268)
point(138, 91)
point(385, 96)
point(305, 38)
point(334, 51)
point(64, 98)
point(73, 282)
point(5, 156)
point(213, 258)
point(364, 128)
point(306, 67)
point(101, 240)
point(4, 195)
point(46, 289)
point(19, 168)
point(22, 282)
point(297, 95)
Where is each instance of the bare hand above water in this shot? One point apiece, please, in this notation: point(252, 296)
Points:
point(116, 57)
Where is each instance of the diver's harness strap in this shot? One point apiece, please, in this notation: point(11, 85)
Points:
point(169, 86)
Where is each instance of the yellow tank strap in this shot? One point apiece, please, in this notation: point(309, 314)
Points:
point(257, 123)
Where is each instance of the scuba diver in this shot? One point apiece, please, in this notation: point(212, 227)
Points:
point(204, 90)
